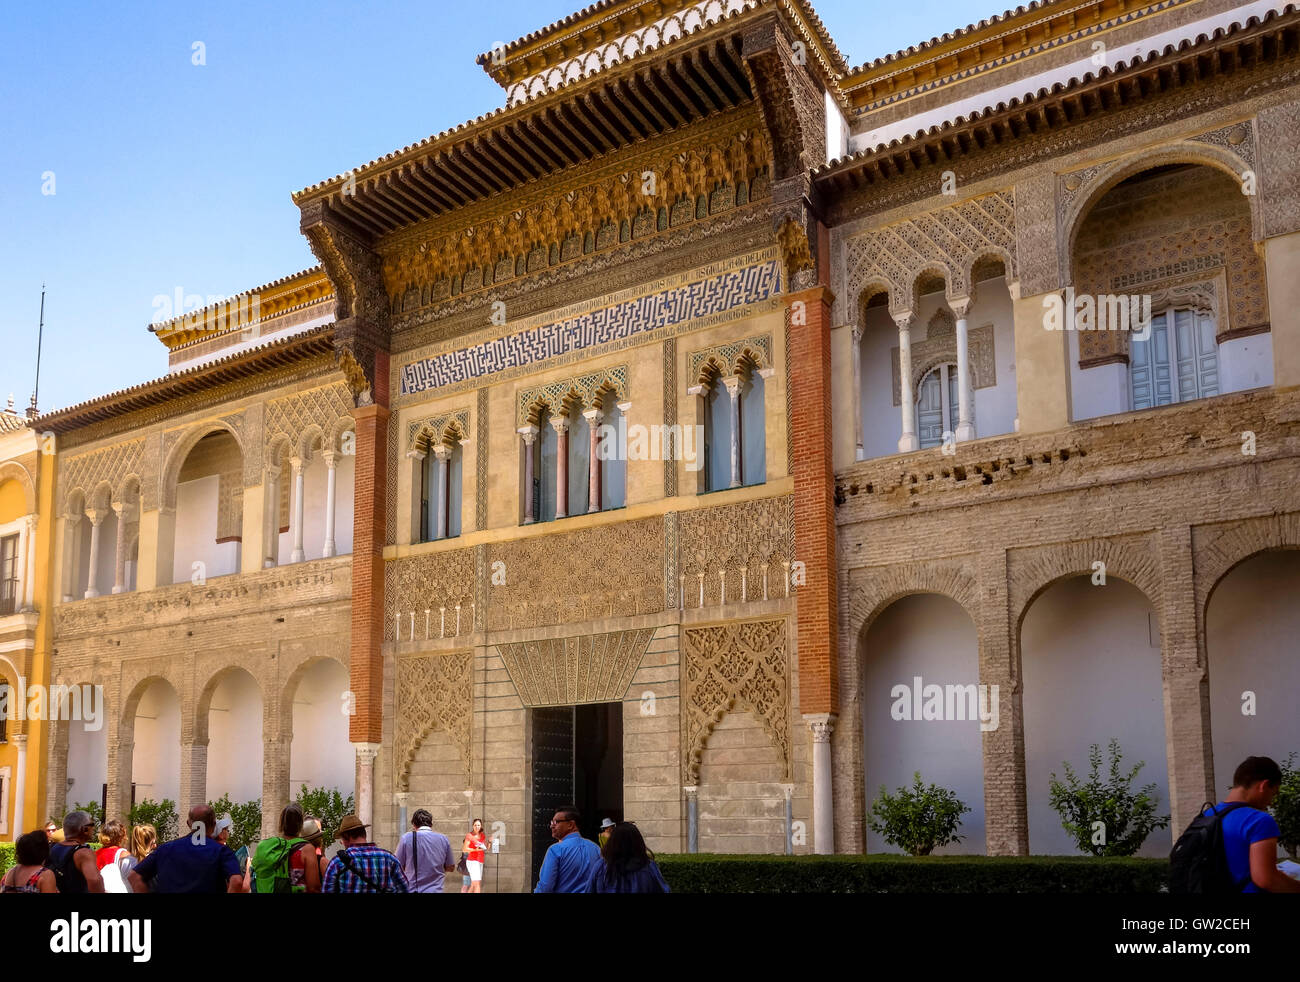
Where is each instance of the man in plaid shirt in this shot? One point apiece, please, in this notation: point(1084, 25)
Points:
point(361, 866)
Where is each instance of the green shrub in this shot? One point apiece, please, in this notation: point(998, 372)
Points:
point(160, 814)
point(327, 805)
point(917, 819)
point(6, 856)
point(246, 820)
point(1286, 807)
point(881, 873)
point(92, 808)
point(1126, 818)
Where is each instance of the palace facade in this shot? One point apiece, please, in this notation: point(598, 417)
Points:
point(634, 443)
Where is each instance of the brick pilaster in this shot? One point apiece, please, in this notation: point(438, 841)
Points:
point(809, 324)
point(370, 499)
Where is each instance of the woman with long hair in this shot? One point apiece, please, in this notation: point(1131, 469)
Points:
point(144, 840)
point(626, 865)
point(29, 874)
point(475, 849)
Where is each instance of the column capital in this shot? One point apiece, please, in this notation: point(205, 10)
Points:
point(273, 472)
point(296, 464)
point(330, 457)
point(416, 455)
point(960, 306)
point(442, 451)
point(690, 790)
point(903, 318)
point(856, 330)
point(624, 407)
point(96, 515)
point(732, 382)
point(19, 739)
point(529, 433)
point(367, 752)
point(821, 725)
point(593, 415)
point(31, 521)
point(560, 424)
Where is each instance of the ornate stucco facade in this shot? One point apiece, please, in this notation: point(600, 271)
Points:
point(699, 219)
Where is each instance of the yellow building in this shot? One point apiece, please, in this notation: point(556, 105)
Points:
point(26, 489)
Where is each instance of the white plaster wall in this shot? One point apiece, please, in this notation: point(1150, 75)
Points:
point(995, 406)
point(196, 533)
point(106, 567)
point(87, 762)
point(1252, 632)
point(930, 636)
point(1098, 391)
point(344, 493)
point(156, 759)
point(235, 739)
point(1246, 363)
point(1090, 662)
point(321, 755)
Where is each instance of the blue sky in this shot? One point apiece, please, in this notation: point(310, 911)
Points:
point(168, 174)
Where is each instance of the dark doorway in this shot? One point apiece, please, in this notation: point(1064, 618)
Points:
point(577, 760)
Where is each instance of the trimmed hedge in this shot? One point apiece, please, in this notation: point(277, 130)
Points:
point(884, 873)
point(6, 856)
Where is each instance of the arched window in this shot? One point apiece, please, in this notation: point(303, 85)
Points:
point(735, 430)
point(548, 444)
point(8, 574)
point(441, 506)
point(1177, 361)
point(613, 468)
point(936, 405)
point(579, 460)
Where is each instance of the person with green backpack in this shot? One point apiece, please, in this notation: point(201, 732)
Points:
point(281, 864)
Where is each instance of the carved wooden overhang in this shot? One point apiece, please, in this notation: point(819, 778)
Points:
point(274, 355)
point(509, 148)
point(1185, 67)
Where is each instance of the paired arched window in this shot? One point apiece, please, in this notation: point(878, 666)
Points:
point(735, 430)
point(575, 459)
point(440, 499)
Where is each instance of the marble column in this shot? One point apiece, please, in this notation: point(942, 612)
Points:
point(331, 497)
point(366, 754)
point(96, 517)
point(965, 424)
point(119, 559)
point(857, 390)
point(271, 520)
point(692, 818)
point(71, 557)
point(295, 521)
point(908, 441)
point(19, 791)
point(529, 435)
point(442, 454)
point(821, 725)
point(732, 382)
point(561, 426)
point(593, 417)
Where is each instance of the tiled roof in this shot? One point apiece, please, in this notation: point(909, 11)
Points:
point(1152, 57)
point(11, 421)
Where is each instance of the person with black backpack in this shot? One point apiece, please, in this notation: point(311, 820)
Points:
point(1231, 847)
point(72, 861)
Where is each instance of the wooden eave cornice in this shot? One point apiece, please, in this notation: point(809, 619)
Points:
point(1191, 63)
point(277, 297)
point(512, 147)
point(609, 20)
point(243, 365)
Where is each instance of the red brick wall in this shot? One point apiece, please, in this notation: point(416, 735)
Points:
point(814, 498)
point(370, 495)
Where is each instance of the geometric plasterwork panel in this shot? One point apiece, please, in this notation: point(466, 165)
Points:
point(569, 671)
point(436, 583)
point(949, 239)
point(584, 391)
point(729, 359)
point(741, 665)
point(433, 693)
point(112, 464)
point(433, 429)
point(746, 548)
point(323, 407)
point(933, 351)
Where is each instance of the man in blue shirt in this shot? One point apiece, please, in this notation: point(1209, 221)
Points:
point(568, 864)
point(1249, 833)
point(194, 863)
